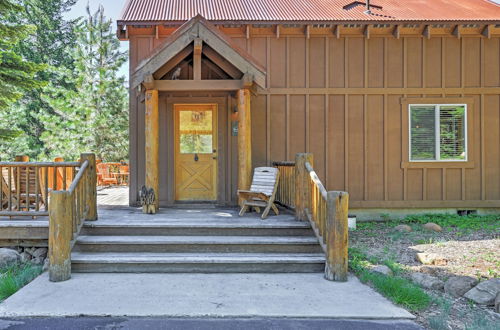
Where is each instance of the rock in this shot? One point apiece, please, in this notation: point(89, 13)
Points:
point(40, 252)
point(30, 250)
point(431, 259)
point(403, 228)
point(25, 257)
point(46, 264)
point(433, 227)
point(427, 281)
point(9, 257)
point(457, 286)
point(37, 261)
point(485, 292)
point(382, 269)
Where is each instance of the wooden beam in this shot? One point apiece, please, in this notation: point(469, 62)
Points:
point(148, 81)
point(90, 187)
point(487, 31)
point(456, 31)
point(427, 32)
point(198, 44)
point(308, 31)
point(336, 30)
point(247, 31)
point(247, 80)
point(152, 140)
point(244, 140)
point(157, 36)
point(215, 68)
point(230, 69)
point(277, 31)
point(396, 32)
point(178, 58)
point(366, 31)
point(198, 85)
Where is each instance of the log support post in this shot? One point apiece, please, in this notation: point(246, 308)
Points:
point(90, 187)
point(60, 234)
point(337, 206)
point(302, 185)
point(198, 44)
point(152, 141)
point(244, 140)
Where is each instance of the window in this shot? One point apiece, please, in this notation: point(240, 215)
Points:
point(438, 132)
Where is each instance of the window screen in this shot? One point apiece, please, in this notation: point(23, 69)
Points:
point(437, 133)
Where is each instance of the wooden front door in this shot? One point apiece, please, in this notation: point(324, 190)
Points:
point(195, 152)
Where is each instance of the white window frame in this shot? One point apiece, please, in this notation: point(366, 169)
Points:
point(438, 133)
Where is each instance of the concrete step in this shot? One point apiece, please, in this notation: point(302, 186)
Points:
point(197, 228)
point(88, 262)
point(201, 244)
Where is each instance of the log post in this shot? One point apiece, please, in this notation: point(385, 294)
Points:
point(302, 182)
point(244, 141)
point(91, 187)
point(60, 233)
point(152, 141)
point(337, 206)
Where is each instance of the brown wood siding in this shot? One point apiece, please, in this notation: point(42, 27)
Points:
point(317, 101)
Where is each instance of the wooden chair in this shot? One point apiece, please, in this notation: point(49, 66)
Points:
point(103, 175)
point(262, 192)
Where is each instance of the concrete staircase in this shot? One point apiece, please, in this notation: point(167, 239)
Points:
point(205, 243)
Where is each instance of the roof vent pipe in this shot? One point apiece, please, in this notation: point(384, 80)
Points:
point(368, 11)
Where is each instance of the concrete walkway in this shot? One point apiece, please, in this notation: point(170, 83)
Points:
point(200, 295)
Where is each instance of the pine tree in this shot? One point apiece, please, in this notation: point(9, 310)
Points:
point(48, 44)
point(96, 117)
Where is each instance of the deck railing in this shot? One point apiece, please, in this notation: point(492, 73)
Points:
point(285, 195)
point(25, 186)
point(327, 211)
point(68, 209)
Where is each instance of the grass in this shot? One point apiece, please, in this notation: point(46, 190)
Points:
point(468, 222)
point(397, 289)
point(14, 277)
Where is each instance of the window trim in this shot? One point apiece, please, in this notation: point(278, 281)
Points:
point(405, 132)
point(437, 132)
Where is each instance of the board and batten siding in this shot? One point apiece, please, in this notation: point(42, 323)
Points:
point(340, 99)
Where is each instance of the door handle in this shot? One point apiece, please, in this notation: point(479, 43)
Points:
point(196, 158)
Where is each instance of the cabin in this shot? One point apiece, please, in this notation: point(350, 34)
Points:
point(398, 103)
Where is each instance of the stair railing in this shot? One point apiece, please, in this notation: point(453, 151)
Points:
point(68, 209)
point(327, 211)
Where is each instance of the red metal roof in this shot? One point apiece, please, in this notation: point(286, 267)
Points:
point(309, 10)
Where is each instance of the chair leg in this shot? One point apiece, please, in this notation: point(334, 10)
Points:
point(275, 209)
point(266, 211)
point(257, 209)
point(244, 208)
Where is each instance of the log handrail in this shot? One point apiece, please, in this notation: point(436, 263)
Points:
point(67, 212)
point(327, 211)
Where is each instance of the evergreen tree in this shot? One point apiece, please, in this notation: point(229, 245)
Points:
point(49, 44)
point(94, 116)
point(17, 75)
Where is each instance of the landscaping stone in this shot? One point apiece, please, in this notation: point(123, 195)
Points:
point(433, 227)
point(30, 250)
point(8, 257)
point(25, 257)
point(46, 264)
point(457, 286)
point(403, 228)
point(427, 281)
point(382, 269)
point(431, 259)
point(485, 292)
point(40, 252)
point(38, 261)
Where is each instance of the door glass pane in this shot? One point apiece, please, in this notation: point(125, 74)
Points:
point(195, 129)
point(422, 133)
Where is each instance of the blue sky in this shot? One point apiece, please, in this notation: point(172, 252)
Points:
point(112, 9)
